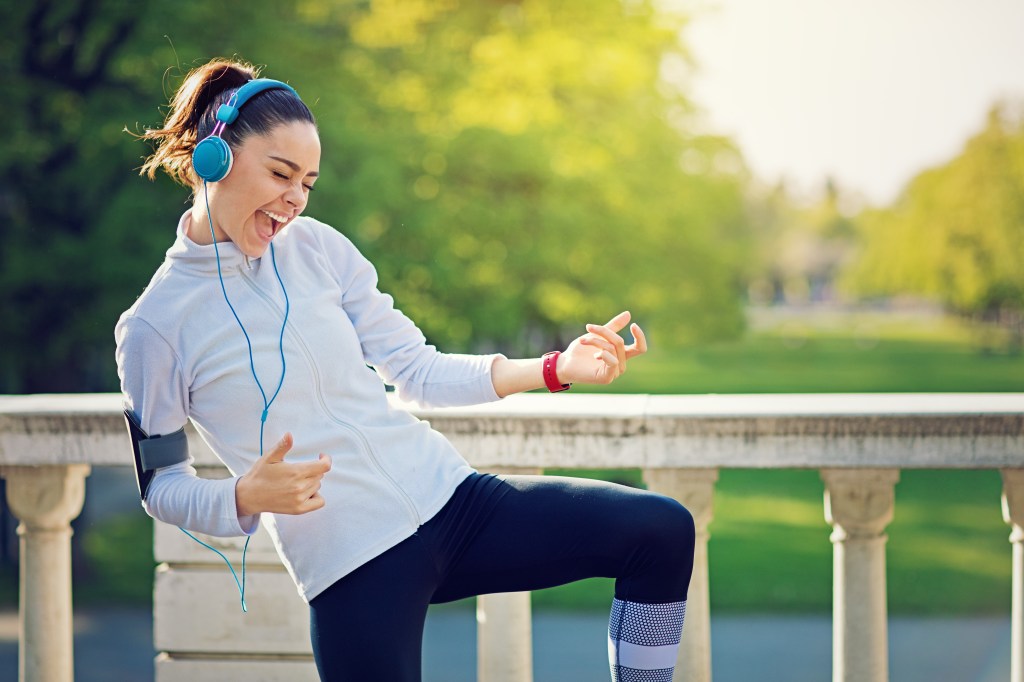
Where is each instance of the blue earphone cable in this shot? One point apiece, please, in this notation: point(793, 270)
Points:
point(252, 367)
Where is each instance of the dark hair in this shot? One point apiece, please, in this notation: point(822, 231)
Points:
point(193, 114)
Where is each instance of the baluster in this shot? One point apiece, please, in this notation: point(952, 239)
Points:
point(859, 504)
point(45, 499)
point(504, 632)
point(1013, 514)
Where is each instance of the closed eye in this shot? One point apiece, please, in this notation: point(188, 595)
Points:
point(309, 188)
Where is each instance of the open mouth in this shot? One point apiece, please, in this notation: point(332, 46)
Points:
point(276, 222)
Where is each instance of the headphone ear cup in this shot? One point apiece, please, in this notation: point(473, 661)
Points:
point(211, 159)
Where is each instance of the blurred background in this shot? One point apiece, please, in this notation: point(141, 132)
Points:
point(788, 195)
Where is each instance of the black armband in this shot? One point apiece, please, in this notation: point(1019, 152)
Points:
point(154, 452)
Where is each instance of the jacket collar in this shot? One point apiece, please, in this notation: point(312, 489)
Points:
point(202, 258)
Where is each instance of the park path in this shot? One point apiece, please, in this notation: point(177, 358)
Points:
point(115, 645)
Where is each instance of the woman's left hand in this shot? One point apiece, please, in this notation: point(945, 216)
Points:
point(600, 356)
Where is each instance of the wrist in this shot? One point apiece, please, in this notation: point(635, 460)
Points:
point(560, 369)
point(549, 369)
point(242, 506)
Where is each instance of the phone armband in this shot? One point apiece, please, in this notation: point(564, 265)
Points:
point(154, 452)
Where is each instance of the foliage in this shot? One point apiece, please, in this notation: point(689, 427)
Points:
point(513, 170)
point(957, 232)
point(117, 557)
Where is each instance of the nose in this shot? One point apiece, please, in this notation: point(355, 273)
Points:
point(296, 195)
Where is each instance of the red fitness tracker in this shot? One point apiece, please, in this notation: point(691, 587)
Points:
point(550, 377)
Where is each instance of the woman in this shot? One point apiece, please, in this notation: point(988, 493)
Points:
point(375, 515)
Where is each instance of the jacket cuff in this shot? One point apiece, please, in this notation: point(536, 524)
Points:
point(243, 525)
point(489, 391)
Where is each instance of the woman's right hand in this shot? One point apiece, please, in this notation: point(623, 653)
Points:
point(274, 485)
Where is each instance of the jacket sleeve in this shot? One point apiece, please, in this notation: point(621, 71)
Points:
point(394, 345)
point(155, 389)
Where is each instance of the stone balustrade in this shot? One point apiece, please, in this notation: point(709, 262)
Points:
point(859, 442)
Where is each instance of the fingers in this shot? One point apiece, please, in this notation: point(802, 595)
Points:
point(619, 321)
point(638, 347)
point(304, 477)
point(313, 503)
point(303, 501)
point(618, 344)
point(314, 469)
point(612, 349)
point(326, 461)
point(639, 340)
point(318, 467)
point(311, 496)
point(308, 480)
point(597, 342)
point(280, 449)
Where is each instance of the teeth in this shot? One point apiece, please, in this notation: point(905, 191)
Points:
point(275, 216)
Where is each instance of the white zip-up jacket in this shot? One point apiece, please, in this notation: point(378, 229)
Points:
point(181, 355)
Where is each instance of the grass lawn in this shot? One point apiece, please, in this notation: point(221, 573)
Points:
point(948, 548)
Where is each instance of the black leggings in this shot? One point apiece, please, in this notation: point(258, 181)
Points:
point(499, 534)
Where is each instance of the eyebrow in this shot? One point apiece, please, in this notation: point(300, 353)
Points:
point(291, 164)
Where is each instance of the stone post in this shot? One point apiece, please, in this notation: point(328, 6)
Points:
point(695, 488)
point(504, 632)
point(1013, 514)
point(45, 499)
point(859, 505)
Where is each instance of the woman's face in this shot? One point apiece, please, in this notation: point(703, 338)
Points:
point(267, 188)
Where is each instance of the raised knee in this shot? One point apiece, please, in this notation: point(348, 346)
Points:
point(663, 560)
point(671, 523)
point(682, 526)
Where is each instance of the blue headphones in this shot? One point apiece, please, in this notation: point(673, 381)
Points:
point(211, 158)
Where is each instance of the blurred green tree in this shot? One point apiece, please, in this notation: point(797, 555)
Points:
point(956, 234)
point(513, 170)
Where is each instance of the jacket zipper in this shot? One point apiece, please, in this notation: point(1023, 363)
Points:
point(410, 506)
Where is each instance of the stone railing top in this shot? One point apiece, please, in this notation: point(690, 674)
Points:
point(905, 430)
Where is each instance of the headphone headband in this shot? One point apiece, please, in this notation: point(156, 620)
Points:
point(227, 113)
